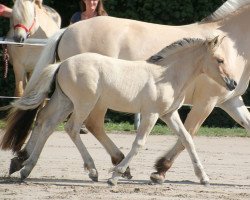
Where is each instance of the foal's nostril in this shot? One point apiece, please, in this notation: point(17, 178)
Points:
point(234, 83)
point(231, 84)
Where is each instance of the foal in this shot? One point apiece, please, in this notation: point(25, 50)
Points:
point(88, 84)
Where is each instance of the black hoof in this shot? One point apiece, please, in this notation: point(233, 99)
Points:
point(23, 176)
point(205, 183)
point(15, 165)
point(127, 174)
point(112, 182)
point(94, 178)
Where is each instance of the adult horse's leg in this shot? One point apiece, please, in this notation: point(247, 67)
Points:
point(147, 124)
point(95, 124)
point(19, 79)
point(236, 108)
point(194, 120)
point(48, 118)
point(174, 122)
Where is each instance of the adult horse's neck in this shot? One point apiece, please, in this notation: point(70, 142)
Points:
point(236, 28)
point(46, 25)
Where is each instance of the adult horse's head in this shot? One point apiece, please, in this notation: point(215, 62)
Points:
point(219, 64)
point(24, 18)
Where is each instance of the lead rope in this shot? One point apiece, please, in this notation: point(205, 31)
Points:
point(5, 60)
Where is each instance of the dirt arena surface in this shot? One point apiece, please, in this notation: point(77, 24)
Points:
point(59, 173)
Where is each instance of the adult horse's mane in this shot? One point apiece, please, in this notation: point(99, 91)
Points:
point(227, 8)
point(175, 47)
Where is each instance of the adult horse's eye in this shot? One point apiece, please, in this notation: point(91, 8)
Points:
point(220, 61)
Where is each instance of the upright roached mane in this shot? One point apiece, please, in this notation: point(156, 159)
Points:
point(174, 48)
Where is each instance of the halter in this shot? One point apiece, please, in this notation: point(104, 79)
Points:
point(27, 30)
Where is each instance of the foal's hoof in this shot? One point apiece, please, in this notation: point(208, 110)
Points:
point(15, 165)
point(93, 175)
point(24, 174)
point(157, 178)
point(112, 182)
point(205, 183)
point(127, 174)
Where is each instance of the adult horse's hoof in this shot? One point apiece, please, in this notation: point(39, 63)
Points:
point(93, 175)
point(15, 165)
point(157, 178)
point(112, 182)
point(127, 174)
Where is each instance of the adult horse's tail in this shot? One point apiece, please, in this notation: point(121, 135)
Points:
point(24, 110)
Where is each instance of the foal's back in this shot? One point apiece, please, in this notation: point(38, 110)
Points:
point(117, 84)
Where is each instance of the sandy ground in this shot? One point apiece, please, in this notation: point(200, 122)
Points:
point(59, 173)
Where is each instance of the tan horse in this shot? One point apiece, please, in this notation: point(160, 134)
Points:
point(89, 84)
point(134, 40)
point(29, 19)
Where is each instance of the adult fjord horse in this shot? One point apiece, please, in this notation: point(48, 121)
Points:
point(29, 19)
point(88, 84)
point(134, 40)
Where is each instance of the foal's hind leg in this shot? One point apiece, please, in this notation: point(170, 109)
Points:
point(73, 127)
point(48, 118)
point(17, 162)
point(95, 124)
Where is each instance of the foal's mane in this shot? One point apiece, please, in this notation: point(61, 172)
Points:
point(174, 48)
point(227, 8)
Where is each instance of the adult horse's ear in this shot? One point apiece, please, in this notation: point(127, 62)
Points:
point(39, 3)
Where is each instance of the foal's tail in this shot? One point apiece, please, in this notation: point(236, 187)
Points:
point(23, 112)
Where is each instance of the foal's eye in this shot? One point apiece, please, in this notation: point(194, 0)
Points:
point(220, 61)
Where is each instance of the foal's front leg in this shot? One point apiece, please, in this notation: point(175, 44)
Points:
point(192, 124)
point(174, 122)
point(147, 124)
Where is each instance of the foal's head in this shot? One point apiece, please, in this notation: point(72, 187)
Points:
point(207, 55)
point(217, 64)
point(24, 18)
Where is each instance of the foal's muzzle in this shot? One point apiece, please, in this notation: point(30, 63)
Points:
point(231, 84)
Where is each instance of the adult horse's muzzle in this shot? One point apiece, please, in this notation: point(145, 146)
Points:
point(231, 84)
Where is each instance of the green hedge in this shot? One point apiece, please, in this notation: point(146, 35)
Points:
point(175, 12)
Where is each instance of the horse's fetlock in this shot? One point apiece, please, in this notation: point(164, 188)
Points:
point(162, 165)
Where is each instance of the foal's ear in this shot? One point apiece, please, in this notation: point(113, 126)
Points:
point(39, 3)
point(214, 43)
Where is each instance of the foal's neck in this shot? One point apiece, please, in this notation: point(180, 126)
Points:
point(184, 68)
